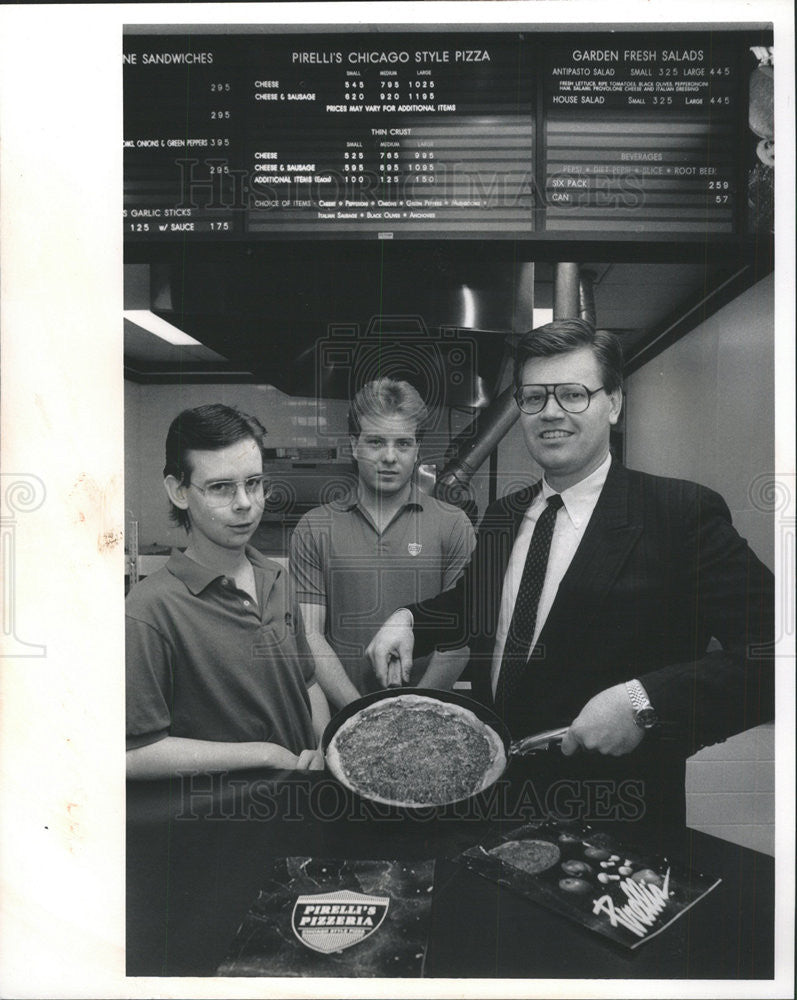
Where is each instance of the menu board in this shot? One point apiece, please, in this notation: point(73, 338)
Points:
point(328, 136)
point(382, 135)
point(640, 136)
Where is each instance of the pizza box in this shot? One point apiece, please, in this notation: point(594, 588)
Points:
point(328, 917)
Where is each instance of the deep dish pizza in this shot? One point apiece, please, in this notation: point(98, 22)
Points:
point(411, 750)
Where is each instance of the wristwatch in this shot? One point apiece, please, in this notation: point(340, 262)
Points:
point(644, 713)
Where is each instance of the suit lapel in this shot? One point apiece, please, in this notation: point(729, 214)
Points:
point(516, 505)
point(607, 541)
point(497, 534)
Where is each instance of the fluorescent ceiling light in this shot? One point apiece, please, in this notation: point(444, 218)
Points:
point(468, 308)
point(147, 320)
point(541, 317)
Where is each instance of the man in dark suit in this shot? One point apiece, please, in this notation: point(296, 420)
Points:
point(620, 606)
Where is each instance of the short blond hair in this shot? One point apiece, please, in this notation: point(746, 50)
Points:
point(387, 397)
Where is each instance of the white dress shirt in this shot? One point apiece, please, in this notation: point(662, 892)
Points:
point(578, 504)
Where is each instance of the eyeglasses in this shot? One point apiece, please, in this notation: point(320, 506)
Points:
point(223, 493)
point(571, 396)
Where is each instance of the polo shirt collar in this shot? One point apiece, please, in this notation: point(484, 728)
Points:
point(351, 502)
point(197, 577)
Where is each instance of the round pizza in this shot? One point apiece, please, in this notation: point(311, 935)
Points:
point(416, 751)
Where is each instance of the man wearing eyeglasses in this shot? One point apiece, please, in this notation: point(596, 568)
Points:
point(388, 543)
point(215, 679)
point(593, 596)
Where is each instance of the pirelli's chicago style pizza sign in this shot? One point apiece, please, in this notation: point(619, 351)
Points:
point(333, 921)
point(514, 135)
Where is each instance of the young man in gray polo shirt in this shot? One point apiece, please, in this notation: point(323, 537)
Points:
point(214, 675)
point(352, 559)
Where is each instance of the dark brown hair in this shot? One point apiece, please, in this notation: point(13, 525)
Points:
point(205, 428)
point(564, 335)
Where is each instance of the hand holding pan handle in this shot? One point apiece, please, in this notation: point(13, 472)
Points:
point(668, 732)
point(395, 678)
point(537, 741)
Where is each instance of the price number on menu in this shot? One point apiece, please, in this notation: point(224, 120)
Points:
point(422, 167)
point(220, 88)
point(354, 166)
point(422, 90)
point(389, 167)
point(721, 191)
point(355, 90)
point(389, 90)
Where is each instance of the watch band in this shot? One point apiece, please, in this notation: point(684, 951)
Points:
point(644, 714)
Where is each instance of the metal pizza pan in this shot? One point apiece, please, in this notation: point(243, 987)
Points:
point(524, 747)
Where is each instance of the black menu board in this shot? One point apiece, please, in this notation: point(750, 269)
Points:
point(641, 135)
point(328, 136)
point(381, 135)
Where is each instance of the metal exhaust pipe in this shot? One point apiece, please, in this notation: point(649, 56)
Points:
point(573, 297)
point(566, 291)
point(586, 297)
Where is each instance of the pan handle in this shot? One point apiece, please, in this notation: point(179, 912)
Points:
point(537, 741)
point(394, 678)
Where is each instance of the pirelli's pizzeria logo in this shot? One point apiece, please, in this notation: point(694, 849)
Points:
point(332, 921)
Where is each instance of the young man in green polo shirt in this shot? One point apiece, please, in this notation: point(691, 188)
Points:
point(215, 679)
point(388, 541)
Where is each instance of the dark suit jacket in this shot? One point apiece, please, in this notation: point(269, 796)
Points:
point(659, 572)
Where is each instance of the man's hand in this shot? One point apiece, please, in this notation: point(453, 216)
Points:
point(390, 650)
point(605, 724)
point(310, 760)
